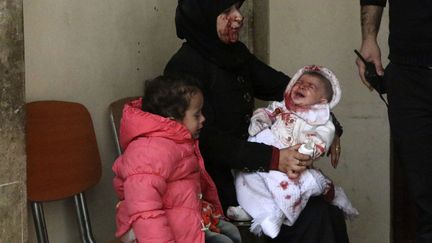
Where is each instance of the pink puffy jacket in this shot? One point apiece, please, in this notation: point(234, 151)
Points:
point(160, 179)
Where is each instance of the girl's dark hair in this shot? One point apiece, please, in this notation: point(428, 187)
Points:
point(169, 95)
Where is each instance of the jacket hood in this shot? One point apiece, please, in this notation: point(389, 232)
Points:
point(326, 73)
point(137, 123)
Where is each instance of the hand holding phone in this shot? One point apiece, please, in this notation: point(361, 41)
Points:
point(375, 80)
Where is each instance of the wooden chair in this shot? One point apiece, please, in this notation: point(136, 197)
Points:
point(62, 160)
point(116, 111)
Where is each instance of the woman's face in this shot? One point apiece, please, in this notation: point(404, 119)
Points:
point(229, 23)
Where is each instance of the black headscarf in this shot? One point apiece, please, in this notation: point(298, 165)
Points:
point(196, 22)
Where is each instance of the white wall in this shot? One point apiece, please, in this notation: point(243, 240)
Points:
point(94, 52)
point(326, 32)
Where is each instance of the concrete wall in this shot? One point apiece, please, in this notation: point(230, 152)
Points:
point(325, 32)
point(94, 53)
point(13, 226)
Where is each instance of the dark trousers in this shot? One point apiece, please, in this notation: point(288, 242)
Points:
point(229, 233)
point(319, 222)
point(410, 116)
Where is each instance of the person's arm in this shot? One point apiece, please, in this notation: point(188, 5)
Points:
point(371, 13)
point(260, 120)
point(264, 117)
point(268, 84)
point(233, 152)
point(237, 153)
point(323, 137)
point(335, 147)
point(240, 154)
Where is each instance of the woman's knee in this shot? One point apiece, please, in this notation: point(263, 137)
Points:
point(213, 237)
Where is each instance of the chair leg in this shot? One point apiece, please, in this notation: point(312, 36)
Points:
point(39, 221)
point(116, 136)
point(83, 219)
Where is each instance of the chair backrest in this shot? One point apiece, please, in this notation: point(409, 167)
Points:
point(62, 154)
point(116, 110)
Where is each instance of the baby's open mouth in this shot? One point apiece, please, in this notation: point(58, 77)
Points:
point(299, 94)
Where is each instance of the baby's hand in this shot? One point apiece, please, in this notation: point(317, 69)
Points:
point(259, 121)
point(256, 127)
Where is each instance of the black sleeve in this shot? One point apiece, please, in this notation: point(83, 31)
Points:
point(373, 2)
point(187, 61)
point(228, 150)
point(268, 84)
point(232, 152)
point(338, 126)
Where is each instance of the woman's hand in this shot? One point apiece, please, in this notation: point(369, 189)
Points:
point(335, 151)
point(292, 162)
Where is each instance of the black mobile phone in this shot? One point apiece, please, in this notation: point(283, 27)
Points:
point(375, 80)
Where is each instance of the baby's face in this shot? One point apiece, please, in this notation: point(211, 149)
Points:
point(308, 90)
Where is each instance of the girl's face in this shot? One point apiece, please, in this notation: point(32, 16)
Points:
point(308, 90)
point(229, 23)
point(194, 119)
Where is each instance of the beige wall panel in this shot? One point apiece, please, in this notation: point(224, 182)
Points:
point(94, 52)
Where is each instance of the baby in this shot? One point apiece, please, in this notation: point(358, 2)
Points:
point(303, 117)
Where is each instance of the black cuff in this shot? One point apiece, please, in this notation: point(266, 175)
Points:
point(373, 2)
point(338, 126)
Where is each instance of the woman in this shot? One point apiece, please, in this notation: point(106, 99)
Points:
point(231, 77)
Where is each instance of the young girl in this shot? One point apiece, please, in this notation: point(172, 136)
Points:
point(164, 190)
